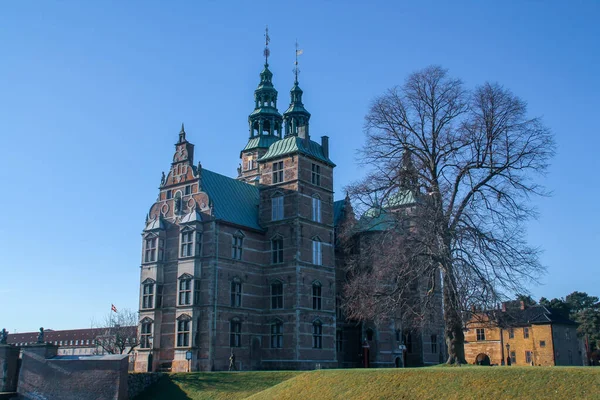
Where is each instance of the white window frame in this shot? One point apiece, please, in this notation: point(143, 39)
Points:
point(146, 333)
point(148, 294)
point(184, 331)
point(184, 290)
point(237, 245)
point(278, 175)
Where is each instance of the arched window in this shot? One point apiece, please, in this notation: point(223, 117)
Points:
point(237, 245)
point(277, 250)
point(236, 292)
point(317, 256)
point(235, 333)
point(316, 295)
point(276, 295)
point(317, 334)
point(277, 334)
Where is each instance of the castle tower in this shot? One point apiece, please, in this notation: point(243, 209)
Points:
point(265, 123)
point(296, 210)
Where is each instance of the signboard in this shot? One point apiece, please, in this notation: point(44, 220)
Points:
point(188, 355)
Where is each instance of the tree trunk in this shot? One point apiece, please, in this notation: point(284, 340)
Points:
point(454, 335)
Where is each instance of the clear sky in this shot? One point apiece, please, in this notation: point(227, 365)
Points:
point(92, 96)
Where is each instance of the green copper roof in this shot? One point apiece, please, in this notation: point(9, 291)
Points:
point(400, 198)
point(375, 220)
point(260, 141)
point(294, 144)
point(233, 201)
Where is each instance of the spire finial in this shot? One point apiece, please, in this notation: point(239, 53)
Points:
point(296, 69)
point(182, 133)
point(267, 52)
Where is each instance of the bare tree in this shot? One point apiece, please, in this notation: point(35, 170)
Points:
point(472, 157)
point(118, 332)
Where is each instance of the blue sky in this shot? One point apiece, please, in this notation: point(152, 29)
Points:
point(92, 95)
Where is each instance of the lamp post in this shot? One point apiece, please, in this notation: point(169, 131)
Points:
point(508, 360)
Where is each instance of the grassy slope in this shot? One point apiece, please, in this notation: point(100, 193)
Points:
point(214, 385)
point(442, 383)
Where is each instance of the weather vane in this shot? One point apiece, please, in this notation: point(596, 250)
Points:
point(298, 53)
point(267, 52)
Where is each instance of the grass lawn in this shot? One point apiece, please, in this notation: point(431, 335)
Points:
point(467, 382)
point(214, 385)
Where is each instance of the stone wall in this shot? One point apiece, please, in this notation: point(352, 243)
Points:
point(73, 378)
point(139, 382)
point(9, 359)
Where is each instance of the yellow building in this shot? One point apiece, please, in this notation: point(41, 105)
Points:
point(519, 334)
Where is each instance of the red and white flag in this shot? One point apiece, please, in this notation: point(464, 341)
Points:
point(113, 308)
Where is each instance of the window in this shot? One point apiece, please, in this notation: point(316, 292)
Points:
point(316, 209)
point(542, 343)
point(183, 333)
point(317, 335)
point(480, 334)
point(511, 333)
point(250, 163)
point(277, 295)
point(148, 294)
point(150, 253)
point(528, 357)
point(398, 336)
point(513, 357)
point(317, 254)
point(434, 344)
point(188, 189)
point(316, 296)
point(568, 334)
point(235, 333)
point(316, 175)
point(277, 250)
point(146, 335)
point(278, 172)
point(277, 335)
point(197, 291)
point(169, 194)
point(185, 291)
point(236, 246)
point(277, 208)
point(77, 343)
point(236, 293)
point(339, 340)
point(369, 334)
point(187, 244)
point(526, 333)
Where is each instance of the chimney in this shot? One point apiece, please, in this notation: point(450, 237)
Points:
point(503, 306)
point(325, 145)
point(522, 304)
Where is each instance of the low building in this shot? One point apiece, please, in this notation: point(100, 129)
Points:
point(76, 342)
point(520, 334)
